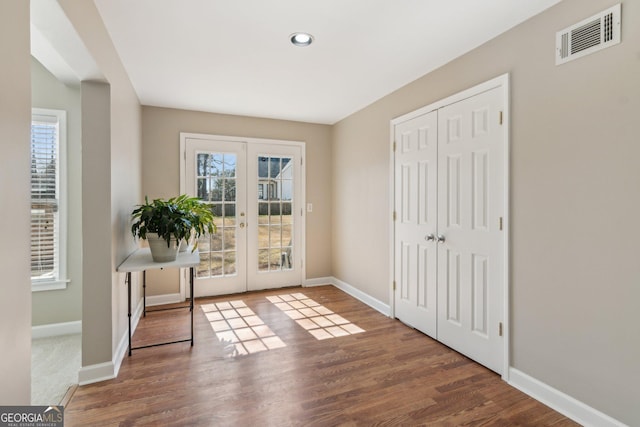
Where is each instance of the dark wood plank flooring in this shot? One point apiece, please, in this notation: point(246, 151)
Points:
point(388, 375)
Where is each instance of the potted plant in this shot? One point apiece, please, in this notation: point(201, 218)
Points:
point(165, 223)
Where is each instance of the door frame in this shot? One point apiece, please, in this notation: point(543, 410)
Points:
point(303, 189)
point(502, 82)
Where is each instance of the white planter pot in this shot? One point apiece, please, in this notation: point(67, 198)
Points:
point(160, 252)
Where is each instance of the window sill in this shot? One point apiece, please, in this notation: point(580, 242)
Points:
point(49, 285)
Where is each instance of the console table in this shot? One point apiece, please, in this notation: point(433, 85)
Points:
point(141, 260)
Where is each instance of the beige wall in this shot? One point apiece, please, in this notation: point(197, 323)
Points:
point(96, 259)
point(105, 307)
point(63, 305)
point(160, 174)
point(15, 285)
point(575, 321)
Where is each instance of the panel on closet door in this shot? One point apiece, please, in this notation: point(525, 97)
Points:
point(452, 287)
point(426, 267)
point(406, 193)
point(479, 289)
point(453, 129)
point(453, 190)
point(406, 274)
point(424, 196)
point(480, 122)
point(479, 194)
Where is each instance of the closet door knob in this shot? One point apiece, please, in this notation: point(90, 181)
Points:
point(429, 237)
point(440, 238)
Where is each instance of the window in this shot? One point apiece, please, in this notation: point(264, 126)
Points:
point(48, 201)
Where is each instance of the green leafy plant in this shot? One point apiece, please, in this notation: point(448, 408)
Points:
point(199, 214)
point(177, 217)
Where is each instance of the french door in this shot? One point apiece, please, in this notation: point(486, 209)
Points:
point(449, 237)
point(254, 190)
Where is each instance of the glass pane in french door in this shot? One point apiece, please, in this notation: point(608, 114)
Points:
point(275, 227)
point(216, 185)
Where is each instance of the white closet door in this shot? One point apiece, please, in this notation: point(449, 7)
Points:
point(415, 227)
point(470, 208)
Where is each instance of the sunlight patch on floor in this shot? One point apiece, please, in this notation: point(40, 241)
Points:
point(237, 326)
point(318, 320)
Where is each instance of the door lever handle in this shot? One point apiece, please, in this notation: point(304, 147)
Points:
point(440, 238)
point(429, 237)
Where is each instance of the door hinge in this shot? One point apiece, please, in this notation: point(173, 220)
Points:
point(394, 285)
point(501, 223)
point(301, 162)
point(394, 146)
point(394, 215)
point(501, 118)
point(500, 329)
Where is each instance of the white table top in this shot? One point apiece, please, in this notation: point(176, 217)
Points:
point(141, 260)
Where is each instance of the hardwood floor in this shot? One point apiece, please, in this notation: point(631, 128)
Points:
point(388, 374)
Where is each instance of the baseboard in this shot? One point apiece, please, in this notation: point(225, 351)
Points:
point(56, 329)
point(123, 343)
point(364, 297)
point(164, 299)
point(318, 281)
point(96, 373)
point(109, 370)
point(561, 402)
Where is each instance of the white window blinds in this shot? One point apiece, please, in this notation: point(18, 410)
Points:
point(45, 196)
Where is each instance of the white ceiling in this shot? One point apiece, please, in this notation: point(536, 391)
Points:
point(57, 46)
point(234, 56)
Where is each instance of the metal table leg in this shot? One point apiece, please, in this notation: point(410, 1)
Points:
point(129, 307)
point(192, 298)
point(144, 293)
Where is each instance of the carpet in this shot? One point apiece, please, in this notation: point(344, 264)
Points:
point(55, 362)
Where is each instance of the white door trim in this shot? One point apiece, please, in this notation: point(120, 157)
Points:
point(502, 82)
point(303, 178)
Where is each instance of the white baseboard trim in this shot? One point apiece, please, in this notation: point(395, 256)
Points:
point(56, 329)
point(109, 370)
point(561, 402)
point(318, 281)
point(123, 344)
point(96, 373)
point(163, 299)
point(364, 297)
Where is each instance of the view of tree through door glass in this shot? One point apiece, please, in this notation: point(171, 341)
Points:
point(216, 185)
point(275, 225)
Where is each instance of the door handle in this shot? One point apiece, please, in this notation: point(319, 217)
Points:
point(242, 225)
point(429, 237)
point(440, 238)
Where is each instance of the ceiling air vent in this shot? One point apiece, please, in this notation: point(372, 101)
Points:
point(588, 36)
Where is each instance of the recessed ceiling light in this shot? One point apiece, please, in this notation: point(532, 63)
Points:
point(301, 39)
